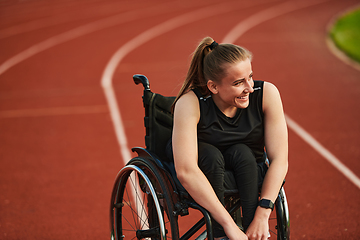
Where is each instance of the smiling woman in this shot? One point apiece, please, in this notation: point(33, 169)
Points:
point(223, 119)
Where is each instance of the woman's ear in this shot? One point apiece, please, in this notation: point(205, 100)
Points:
point(212, 86)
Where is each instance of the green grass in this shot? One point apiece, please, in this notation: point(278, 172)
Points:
point(346, 34)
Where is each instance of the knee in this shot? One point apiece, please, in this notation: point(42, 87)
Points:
point(210, 158)
point(240, 155)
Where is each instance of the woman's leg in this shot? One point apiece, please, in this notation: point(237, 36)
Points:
point(212, 164)
point(241, 160)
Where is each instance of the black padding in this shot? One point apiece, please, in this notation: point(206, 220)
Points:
point(160, 124)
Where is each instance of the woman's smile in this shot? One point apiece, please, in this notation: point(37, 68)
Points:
point(244, 98)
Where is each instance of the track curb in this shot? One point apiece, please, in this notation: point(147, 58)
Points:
point(332, 46)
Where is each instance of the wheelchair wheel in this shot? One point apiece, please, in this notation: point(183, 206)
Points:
point(279, 220)
point(141, 204)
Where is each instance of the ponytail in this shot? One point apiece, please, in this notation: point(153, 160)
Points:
point(195, 76)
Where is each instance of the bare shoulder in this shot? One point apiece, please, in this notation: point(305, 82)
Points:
point(189, 97)
point(187, 102)
point(271, 96)
point(270, 89)
point(187, 106)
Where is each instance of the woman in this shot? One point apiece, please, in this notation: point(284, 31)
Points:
point(223, 119)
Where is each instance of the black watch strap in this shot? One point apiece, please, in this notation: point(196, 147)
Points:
point(266, 203)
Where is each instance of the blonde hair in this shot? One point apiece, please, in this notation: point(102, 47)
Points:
point(209, 62)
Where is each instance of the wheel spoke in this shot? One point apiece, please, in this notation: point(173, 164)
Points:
point(136, 212)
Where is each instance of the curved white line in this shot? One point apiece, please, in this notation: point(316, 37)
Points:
point(268, 14)
point(106, 80)
point(156, 31)
point(35, 25)
point(64, 37)
point(51, 21)
point(83, 30)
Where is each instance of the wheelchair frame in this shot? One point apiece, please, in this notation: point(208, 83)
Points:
point(147, 197)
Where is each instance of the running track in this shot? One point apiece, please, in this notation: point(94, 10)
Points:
point(65, 78)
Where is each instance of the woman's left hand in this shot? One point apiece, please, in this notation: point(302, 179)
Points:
point(259, 227)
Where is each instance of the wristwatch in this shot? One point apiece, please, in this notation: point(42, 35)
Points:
point(266, 203)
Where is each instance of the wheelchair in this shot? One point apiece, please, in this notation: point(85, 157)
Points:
point(147, 198)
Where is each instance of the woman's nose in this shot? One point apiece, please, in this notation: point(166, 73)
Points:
point(249, 86)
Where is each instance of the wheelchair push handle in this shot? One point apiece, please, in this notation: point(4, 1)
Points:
point(138, 78)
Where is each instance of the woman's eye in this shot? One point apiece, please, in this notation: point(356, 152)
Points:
point(238, 83)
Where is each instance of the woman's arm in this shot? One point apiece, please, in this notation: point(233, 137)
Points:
point(276, 143)
point(185, 148)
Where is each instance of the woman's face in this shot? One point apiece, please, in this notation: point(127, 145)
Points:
point(234, 89)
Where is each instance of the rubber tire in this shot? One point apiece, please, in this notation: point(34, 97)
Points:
point(124, 215)
point(282, 216)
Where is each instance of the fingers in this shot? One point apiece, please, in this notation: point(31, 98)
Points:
point(257, 236)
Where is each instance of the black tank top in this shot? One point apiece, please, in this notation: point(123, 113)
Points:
point(245, 127)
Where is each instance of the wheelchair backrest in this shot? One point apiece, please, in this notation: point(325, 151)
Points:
point(158, 119)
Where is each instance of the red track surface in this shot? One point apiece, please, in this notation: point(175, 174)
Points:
point(58, 151)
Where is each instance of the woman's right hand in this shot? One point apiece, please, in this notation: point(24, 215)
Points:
point(233, 232)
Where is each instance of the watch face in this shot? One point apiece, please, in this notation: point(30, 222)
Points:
point(265, 203)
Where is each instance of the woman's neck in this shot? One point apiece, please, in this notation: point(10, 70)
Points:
point(227, 110)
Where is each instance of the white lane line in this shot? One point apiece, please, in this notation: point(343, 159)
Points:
point(156, 31)
point(64, 37)
point(266, 15)
point(53, 20)
point(83, 30)
point(106, 81)
point(37, 24)
point(323, 151)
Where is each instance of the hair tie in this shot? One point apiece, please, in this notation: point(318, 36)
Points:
point(213, 45)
